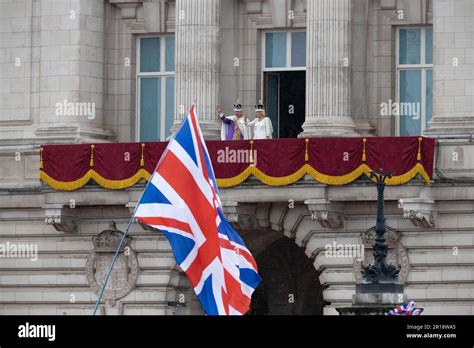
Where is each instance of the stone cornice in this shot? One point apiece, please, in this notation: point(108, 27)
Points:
point(278, 17)
point(140, 16)
point(128, 7)
point(397, 12)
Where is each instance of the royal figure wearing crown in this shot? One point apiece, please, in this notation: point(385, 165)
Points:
point(233, 127)
point(261, 127)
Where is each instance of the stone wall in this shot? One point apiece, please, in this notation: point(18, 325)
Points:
point(437, 242)
point(434, 249)
point(89, 55)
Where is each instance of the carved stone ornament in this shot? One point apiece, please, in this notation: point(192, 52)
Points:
point(125, 273)
point(61, 217)
point(397, 254)
point(420, 211)
point(328, 214)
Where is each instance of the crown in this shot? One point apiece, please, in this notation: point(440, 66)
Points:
point(109, 240)
point(259, 106)
point(237, 106)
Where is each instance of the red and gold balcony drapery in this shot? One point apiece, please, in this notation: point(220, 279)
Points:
point(277, 162)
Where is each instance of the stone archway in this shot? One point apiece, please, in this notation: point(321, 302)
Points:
point(290, 282)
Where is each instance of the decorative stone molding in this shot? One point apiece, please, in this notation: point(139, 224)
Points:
point(397, 253)
point(279, 13)
point(263, 215)
point(328, 214)
point(253, 6)
point(395, 17)
point(419, 210)
point(409, 12)
point(388, 4)
point(157, 14)
point(125, 273)
point(61, 217)
point(128, 8)
point(131, 206)
point(293, 220)
point(277, 216)
point(141, 16)
point(230, 211)
point(429, 13)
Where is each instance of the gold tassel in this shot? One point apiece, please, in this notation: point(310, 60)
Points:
point(306, 155)
point(142, 160)
point(91, 163)
point(418, 157)
point(251, 152)
point(41, 157)
point(364, 157)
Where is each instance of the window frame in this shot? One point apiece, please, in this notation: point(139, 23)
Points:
point(289, 45)
point(288, 66)
point(423, 67)
point(163, 74)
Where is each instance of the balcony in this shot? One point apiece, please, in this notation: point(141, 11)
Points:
point(276, 162)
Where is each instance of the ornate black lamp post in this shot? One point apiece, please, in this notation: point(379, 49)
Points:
point(380, 271)
point(380, 290)
point(380, 277)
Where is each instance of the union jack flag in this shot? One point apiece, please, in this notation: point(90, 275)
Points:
point(182, 201)
point(406, 309)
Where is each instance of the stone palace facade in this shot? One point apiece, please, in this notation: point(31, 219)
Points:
point(91, 71)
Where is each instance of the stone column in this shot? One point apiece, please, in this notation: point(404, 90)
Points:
point(71, 74)
point(198, 62)
point(453, 68)
point(52, 72)
point(328, 69)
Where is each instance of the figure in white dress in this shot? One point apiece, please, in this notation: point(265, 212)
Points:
point(261, 126)
point(233, 127)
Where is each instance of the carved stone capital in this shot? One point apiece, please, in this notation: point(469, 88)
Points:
point(328, 214)
point(420, 211)
point(61, 217)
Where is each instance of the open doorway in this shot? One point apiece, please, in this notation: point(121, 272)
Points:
point(284, 93)
point(290, 283)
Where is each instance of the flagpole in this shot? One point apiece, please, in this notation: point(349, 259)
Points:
point(130, 221)
point(97, 304)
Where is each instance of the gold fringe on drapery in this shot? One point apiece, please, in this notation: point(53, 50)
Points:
point(363, 169)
